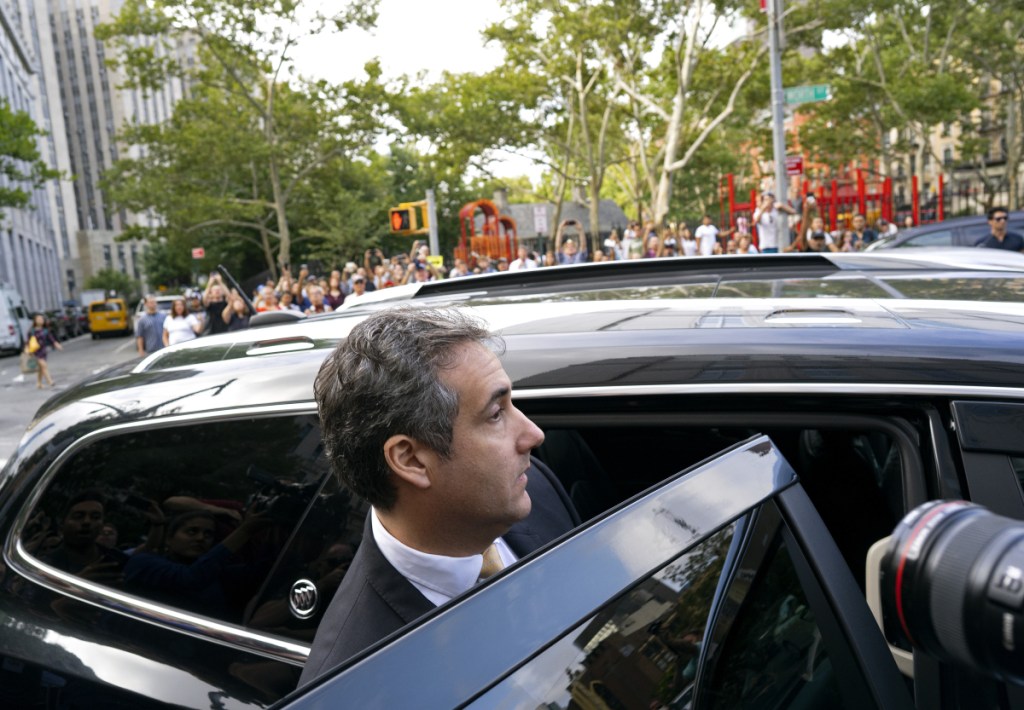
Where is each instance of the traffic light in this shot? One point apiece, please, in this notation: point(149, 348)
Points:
point(403, 219)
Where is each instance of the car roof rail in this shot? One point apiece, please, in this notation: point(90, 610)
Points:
point(627, 273)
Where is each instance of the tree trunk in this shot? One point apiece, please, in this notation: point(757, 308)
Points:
point(284, 238)
point(595, 218)
point(268, 252)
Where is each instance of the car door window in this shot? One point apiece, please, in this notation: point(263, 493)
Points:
point(975, 233)
point(773, 654)
point(193, 517)
point(728, 624)
point(299, 589)
point(640, 650)
point(938, 238)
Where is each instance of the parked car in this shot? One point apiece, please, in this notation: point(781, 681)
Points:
point(15, 320)
point(60, 324)
point(109, 316)
point(956, 232)
point(163, 304)
point(81, 316)
point(736, 432)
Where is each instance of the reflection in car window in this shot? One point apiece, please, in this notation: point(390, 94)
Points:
point(639, 651)
point(980, 287)
point(315, 561)
point(773, 656)
point(845, 287)
point(193, 516)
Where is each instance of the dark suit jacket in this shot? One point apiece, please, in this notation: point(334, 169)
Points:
point(375, 600)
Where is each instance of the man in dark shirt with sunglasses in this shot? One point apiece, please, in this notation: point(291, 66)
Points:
point(1000, 238)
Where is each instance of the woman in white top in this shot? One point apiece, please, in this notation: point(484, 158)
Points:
point(180, 325)
point(687, 242)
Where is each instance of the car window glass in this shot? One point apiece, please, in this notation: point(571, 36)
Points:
point(639, 651)
point(982, 287)
point(192, 516)
point(1017, 462)
point(846, 287)
point(976, 232)
point(299, 589)
point(773, 655)
point(845, 471)
point(938, 238)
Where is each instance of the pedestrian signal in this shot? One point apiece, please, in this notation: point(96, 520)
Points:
point(402, 220)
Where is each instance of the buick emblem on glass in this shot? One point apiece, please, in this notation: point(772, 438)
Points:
point(302, 599)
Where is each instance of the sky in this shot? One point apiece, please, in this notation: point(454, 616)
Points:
point(410, 36)
point(413, 36)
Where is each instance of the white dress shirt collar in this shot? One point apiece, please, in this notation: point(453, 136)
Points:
point(438, 577)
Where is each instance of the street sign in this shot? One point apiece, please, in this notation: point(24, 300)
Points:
point(198, 253)
point(807, 94)
point(540, 219)
point(794, 165)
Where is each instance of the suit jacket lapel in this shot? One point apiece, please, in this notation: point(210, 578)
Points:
point(393, 588)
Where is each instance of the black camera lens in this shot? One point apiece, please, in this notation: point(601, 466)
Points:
point(952, 585)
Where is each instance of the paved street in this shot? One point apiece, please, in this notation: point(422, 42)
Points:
point(81, 357)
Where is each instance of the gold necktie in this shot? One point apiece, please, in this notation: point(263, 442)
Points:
point(492, 562)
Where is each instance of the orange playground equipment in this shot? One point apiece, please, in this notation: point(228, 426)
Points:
point(497, 237)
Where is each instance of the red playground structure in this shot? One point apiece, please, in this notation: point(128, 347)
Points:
point(837, 201)
point(497, 238)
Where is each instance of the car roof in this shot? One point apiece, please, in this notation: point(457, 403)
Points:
point(912, 321)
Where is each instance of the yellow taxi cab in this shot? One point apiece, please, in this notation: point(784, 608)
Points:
point(109, 316)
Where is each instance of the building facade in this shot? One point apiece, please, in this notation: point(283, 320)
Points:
point(30, 238)
point(95, 104)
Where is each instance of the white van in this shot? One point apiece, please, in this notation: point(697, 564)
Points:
point(15, 322)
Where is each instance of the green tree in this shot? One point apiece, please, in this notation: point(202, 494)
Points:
point(113, 280)
point(895, 68)
point(245, 145)
point(20, 162)
point(991, 45)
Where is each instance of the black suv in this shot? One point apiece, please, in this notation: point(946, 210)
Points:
point(736, 432)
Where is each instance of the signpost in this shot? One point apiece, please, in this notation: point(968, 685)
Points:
point(198, 253)
point(807, 94)
point(540, 219)
point(794, 165)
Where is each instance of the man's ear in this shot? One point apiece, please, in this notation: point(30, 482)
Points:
point(406, 458)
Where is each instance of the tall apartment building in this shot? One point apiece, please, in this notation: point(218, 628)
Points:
point(33, 240)
point(94, 106)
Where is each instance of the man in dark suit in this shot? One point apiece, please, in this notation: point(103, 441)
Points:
point(418, 419)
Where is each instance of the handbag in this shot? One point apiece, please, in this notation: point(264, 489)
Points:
point(33, 345)
point(28, 363)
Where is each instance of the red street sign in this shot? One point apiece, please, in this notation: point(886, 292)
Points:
point(794, 165)
point(198, 253)
point(764, 5)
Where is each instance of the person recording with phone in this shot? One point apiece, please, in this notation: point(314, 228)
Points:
point(767, 219)
point(215, 300)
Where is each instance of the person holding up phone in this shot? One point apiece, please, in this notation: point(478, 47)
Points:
point(767, 218)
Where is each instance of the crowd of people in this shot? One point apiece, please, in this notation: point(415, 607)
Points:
point(220, 309)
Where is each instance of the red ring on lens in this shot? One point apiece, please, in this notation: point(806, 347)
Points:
point(903, 560)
